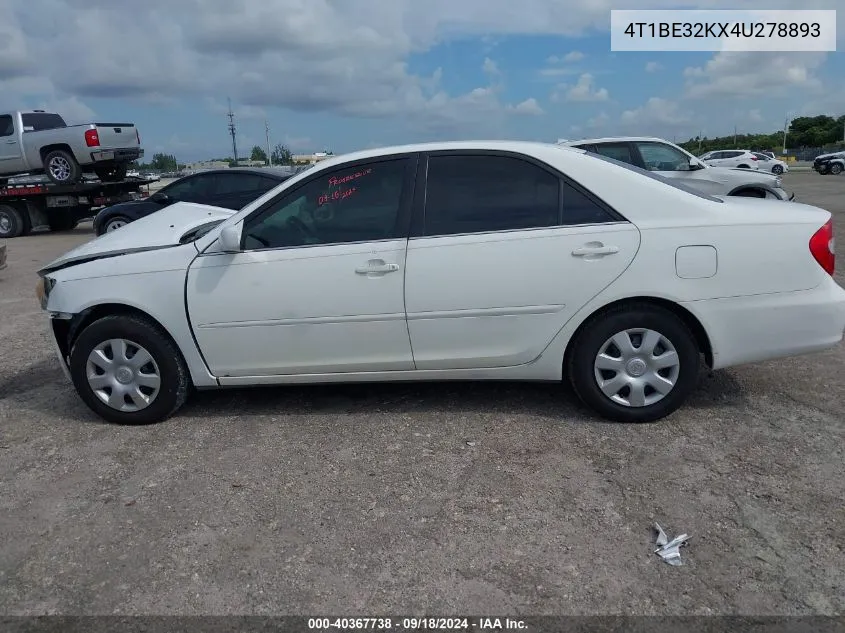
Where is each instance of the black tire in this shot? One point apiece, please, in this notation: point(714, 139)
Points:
point(777, 169)
point(172, 370)
point(61, 167)
point(836, 169)
point(111, 173)
point(750, 193)
point(591, 339)
point(61, 222)
point(114, 220)
point(12, 222)
point(743, 167)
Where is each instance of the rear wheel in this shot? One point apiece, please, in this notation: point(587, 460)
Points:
point(128, 370)
point(12, 222)
point(777, 169)
point(111, 173)
point(636, 363)
point(62, 168)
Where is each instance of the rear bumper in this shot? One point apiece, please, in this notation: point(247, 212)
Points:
point(120, 154)
point(764, 327)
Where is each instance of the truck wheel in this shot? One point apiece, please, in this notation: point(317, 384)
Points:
point(111, 173)
point(836, 169)
point(62, 168)
point(12, 222)
point(61, 222)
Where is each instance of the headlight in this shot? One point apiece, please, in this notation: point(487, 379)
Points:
point(42, 290)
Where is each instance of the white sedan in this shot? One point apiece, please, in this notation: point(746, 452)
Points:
point(446, 261)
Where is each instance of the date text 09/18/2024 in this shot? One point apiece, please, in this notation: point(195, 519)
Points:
point(416, 624)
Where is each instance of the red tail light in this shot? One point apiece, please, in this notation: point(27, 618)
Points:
point(754, 158)
point(92, 139)
point(823, 247)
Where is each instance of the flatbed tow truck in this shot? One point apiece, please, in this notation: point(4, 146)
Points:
point(37, 202)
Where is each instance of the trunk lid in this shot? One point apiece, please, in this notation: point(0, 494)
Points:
point(116, 135)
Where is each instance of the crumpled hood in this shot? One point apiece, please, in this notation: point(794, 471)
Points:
point(161, 229)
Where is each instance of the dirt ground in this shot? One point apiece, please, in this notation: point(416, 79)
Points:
point(445, 499)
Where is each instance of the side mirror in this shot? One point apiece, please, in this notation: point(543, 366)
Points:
point(161, 198)
point(230, 238)
point(695, 164)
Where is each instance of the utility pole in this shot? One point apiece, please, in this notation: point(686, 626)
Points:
point(232, 131)
point(267, 134)
point(699, 142)
point(734, 137)
point(785, 128)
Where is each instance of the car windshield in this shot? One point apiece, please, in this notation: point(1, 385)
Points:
point(654, 176)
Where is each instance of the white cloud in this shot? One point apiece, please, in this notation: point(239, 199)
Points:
point(731, 74)
point(489, 67)
point(660, 117)
point(598, 121)
point(529, 107)
point(652, 67)
point(573, 56)
point(583, 91)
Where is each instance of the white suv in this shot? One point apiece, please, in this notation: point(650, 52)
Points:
point(740, 158)
point(670, 161)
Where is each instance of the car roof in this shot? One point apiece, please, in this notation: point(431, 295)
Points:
point(270, 172)
point(614, 139)
point(440, 146)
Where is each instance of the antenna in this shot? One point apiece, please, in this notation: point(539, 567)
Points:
point(267, 134)
point(232, 131)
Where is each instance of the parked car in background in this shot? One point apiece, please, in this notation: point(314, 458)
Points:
point(833, 164)
point(739, 158)
point(41, 142)
point(488, 260)
point(228, 188)
point(773, 165)
point(667, 159)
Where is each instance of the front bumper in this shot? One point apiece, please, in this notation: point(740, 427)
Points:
point(121, 154)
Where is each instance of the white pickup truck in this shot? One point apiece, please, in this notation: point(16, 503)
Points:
point(36, 141)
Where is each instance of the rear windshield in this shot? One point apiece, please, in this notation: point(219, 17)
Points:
point(650, 174)
point(37, 121)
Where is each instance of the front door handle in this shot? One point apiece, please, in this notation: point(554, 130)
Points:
point(377, 267)
point(11, 142)
point(595, 249)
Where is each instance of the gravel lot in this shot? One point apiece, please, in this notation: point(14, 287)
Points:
point(369, 499)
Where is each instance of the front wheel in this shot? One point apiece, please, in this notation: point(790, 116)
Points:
point(112, 224)
point(637, 363)
point(836, 169)
point(128, 370)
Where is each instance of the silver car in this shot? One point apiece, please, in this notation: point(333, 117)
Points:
point(669, 160)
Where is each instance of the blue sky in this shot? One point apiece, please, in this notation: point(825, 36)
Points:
point(344, 75)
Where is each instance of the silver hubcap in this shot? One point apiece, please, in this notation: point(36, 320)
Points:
point(60, 168)
point(114, 225)
point(5, 224)
point(637, 367)
point(123, 375)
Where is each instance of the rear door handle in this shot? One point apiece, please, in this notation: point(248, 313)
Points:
point(376, 266)
point(595, 249)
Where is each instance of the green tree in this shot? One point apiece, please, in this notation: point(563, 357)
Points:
point(258, 154)
point(163, 162)
point(282, 155)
